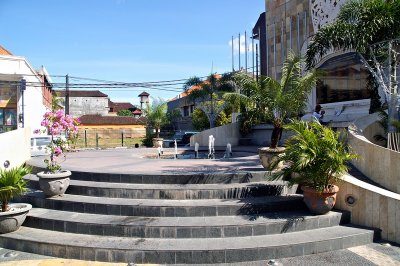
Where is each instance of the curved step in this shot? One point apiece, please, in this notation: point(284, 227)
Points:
point(174, 191)
point(196, 250)
point(160, 208)
point(167, 178)
point(179, 227)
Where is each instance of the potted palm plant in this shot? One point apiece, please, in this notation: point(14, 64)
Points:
point(278, 100)
point(12, 184)
point(156, 115)
point(54, 181)
point(316, 158)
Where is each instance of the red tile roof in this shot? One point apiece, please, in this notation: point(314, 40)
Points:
point(4, 51)
point(75, 93)
point(111, 120)
point(137, 112)
point(144, 94)
point(121, 106)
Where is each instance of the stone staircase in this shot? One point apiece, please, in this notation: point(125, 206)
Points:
point(178, 219)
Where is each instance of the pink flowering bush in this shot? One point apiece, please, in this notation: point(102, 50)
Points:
point(57, 123)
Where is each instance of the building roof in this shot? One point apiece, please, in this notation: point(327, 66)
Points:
point(137, 112)
point(111, 120)
point(4, 51)
point(75, 93)
point(121, 106)
point(144, 94)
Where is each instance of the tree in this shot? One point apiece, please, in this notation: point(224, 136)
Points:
point(173, 117)
point(57, 103)
point(156, 115)
point(371, 28)
point(278, 100)
point(209, 91)
point(200, 120)
point(124, 113)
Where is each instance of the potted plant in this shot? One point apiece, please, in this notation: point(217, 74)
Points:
point(55, 181)
point(12, 184)
point(277, 100)
point(156, 115)
point(316, 158)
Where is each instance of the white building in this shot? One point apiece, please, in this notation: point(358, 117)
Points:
point(22, 108)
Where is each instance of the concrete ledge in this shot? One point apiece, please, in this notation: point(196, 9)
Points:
point(372, 207)
point(380, 164)
point(188, 251)
point(182, 227)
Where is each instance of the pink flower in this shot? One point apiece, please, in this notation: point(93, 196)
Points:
point(58, 151)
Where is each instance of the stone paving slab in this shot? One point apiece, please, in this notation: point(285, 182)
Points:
point(180, 227)
point(185, 250)
point(173, 191)
point(130, 161)
point(343, 257)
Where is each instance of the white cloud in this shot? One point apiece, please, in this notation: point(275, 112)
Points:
point(242, 45)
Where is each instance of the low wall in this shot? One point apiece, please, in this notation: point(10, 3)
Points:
point(15, 147)
point(373, 206)
point(223, 135)
point(261, 135)
point(380, 164)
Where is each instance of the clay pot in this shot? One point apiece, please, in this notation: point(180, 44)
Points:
point(11, 220)
point(54, 184)
point(320, 202)
point(268, 156)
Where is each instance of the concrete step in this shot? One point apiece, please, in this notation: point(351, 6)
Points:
point(176, 178)
point(161, 208)
point(174, 191)
point(195, 250)
point(180, 227)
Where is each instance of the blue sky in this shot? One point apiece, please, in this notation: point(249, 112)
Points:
point(127, 40)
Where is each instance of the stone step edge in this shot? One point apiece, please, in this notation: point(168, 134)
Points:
point(112, 185)
point(194, 177)
point(222, 250)
point(238, 220)
point(166, 227)
point(191, 203)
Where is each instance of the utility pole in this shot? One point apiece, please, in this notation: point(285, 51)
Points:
point(239, 51)
point(245, 49)
point(22, 88)
point(257, 62)
point(252, 50)
point(67, 94)
point(233, 59)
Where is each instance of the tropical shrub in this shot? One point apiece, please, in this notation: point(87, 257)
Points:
point(316, 154)
point(12, 184)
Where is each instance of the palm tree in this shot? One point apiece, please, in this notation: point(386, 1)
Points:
point(279, 100)
point(365, 26)
point(209, 91)
point(156, 115)
point(360, 23)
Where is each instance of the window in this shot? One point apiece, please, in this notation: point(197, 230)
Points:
point(344, 79)
point(186, 111)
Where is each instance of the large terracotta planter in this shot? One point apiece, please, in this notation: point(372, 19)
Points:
point(157, 142)
point(11, 220)
point(320, 203)
point(54, 184)
point(268, 156)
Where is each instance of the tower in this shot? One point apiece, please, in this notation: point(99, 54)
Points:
point(144, 98)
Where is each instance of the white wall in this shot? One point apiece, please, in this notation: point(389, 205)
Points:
point(15, 68)
point(79, 106)
point(223, 135)
point(15, 147)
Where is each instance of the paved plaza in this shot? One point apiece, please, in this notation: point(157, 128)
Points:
point(136, 161)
